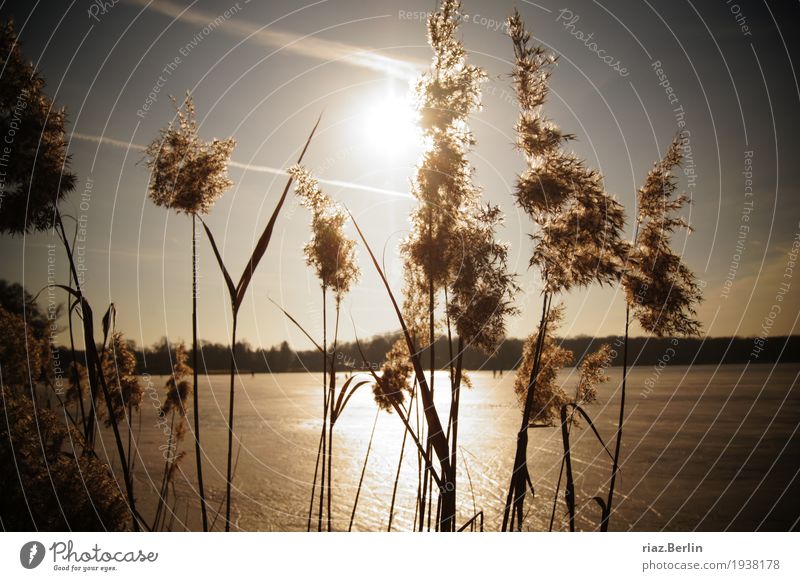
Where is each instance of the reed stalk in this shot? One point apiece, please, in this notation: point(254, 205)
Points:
point(231, 396)
point(363, 470)
point(520, 476)
point(237, 294)
point(195, 383)
point(97, 380)
point(397, 479)
point(618, 446)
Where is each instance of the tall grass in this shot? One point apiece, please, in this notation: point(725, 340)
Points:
point(456, 283)
point(402, 454)
point(177, 391)
point(662, 293)
point(592, 374)
point(188, 175)
point(237, 294)
point(439, 443)
point(363, 470)
point(456, 272)
point(97, 380)
point(332, 256)
point(578, 238)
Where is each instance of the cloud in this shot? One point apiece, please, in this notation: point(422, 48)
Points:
point(102, 140)
point(303, 45)
point(118, 143)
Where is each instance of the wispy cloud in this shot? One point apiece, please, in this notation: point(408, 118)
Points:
point(279, 40)
point(103, 140)
point(109, 141)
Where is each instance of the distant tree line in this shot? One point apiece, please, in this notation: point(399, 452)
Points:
point(158, 358)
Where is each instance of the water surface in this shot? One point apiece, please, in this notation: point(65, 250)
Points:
point(705, 448)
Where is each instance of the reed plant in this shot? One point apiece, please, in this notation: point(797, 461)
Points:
point(177, 391)
point(332, 256)
point(120, 369)
point(457, 289)
point(81, 492)
point(591, 374)
point(456, 272)
point(37, 181)
point(188, 175)
point(236, 295)
point(662, 292)
point(578, 237)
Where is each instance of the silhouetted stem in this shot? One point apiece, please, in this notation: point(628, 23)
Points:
point(330, 472)
point(456, 402)
point(76, 376)
point(517, 489)
point(397, 476)
point(425, 504)
point(561, 469)
point(332, 417)
point(163, 490)
point(195, 382)
point(95, 373)
point(229, 478)
point(439, 443)
point(314, 483)
point(363, 470)
point(618, 446)
point(326, 405)
point(569, 492)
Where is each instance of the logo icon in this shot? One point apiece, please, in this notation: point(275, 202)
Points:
point(31, 554)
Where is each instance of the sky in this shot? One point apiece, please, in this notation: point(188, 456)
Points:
point(262, 72)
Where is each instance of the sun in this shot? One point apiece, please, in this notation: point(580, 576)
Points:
point(390, 125)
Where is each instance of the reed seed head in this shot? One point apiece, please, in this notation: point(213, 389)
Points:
point(119, 369)
point(661, 290)
point(482, 292)
point(392, 385)
point(593, 374)
point(548, 395)
point(579, 238)
point(187, 173)
point(446, 95)
point(178, 388)
point(330, 252)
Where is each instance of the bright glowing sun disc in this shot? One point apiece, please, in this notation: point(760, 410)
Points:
point(390, 126)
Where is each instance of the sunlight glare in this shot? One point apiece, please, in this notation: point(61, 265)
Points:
point(390, 125)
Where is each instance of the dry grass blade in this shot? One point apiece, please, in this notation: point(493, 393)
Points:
point(314, 482)
point(342, 400)
point(569, 492)
point(586, 417)
point(109, 320)
point(603, 509)
point(95, 364)
point(363, 470)
point(469, 479)
point(263, 241)
point(436, 431)
point(225, 274)
point(477, 517)
point(401, 414)
point(297, 324)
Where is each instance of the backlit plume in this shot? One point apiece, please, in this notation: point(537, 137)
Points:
point(188, 174)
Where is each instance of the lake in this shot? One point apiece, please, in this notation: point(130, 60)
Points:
point(705, 448)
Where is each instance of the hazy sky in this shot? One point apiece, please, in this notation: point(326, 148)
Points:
point(263, 71)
